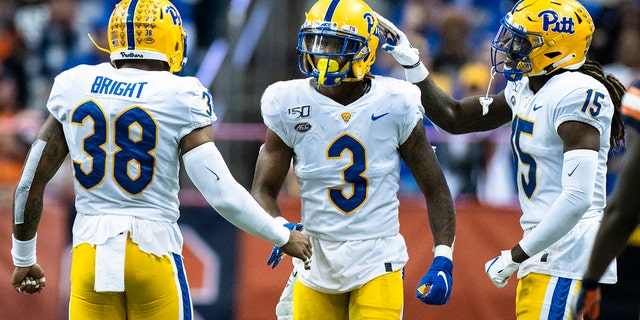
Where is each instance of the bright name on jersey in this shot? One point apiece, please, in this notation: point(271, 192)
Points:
point(104, 85)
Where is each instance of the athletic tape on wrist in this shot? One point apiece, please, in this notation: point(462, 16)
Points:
point(23, 252)
point(415, 65)
point(443, 251)
point(417, 73)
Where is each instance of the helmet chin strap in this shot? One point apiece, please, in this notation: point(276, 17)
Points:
point(326, 65)
point(97, 46)
point(486, 100)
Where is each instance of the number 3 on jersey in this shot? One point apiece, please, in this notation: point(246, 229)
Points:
point(135, 138)
point(352, 174)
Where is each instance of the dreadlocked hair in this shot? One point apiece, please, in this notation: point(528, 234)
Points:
point(616, 91)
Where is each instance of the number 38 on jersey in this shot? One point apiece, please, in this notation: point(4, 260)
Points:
point(126, 145)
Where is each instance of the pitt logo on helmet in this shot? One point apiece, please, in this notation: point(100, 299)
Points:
point(550, 22)
point(147, 29)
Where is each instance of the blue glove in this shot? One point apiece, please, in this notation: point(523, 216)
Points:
point(435, 286)
point(276, 253)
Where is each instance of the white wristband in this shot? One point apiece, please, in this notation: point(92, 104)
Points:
point(23, 252)
point(281, 220)
point(443, 251)
point(417, 73)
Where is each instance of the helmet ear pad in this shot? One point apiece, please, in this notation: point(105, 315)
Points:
point(351, 20)
point(147, 29)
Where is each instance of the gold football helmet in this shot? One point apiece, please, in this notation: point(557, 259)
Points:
point(538, 37)
point(147, 29)
point(338, 41)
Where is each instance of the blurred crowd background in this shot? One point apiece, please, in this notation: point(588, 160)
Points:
point(239, 47)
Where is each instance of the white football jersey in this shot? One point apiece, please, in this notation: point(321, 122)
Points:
point(123, 128)
point(539, 154)
point(346, 158)
point(347, 163)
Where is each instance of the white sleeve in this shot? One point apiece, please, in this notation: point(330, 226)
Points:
point(578, 175)
point(210, 174)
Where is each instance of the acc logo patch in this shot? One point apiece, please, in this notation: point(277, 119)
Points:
point(302, 127)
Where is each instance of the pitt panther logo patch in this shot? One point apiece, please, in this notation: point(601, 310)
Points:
point(346, 116)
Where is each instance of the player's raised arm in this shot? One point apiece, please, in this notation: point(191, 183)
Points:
point(470, 114)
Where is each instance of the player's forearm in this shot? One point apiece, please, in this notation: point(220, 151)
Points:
point(420, 158)
point(29, 194)
point(439, 106)
point(43, 160)
point(442, 222)
point(210, 174)
point(272, 168)
point(26, 230)
point(464, 115)
point(442, 219)
point(268, 202)
point(578, 176)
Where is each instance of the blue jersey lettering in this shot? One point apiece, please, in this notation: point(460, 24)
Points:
point(104, 85)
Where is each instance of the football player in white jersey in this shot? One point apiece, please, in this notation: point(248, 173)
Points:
point(564, 114)
point(620, 224)
point(125, 126)
point(347, 133)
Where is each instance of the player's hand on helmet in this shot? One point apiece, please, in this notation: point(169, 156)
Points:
point(500, 268)
point(397, 43)
point(28, 280)
point(587, 304)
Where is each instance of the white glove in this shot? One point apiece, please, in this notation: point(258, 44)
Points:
point(500, 268)
point(397, 43)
